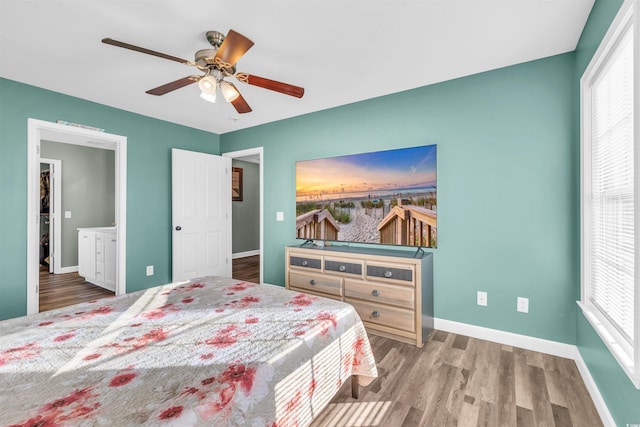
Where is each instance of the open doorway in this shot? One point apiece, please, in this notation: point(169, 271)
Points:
point(247, 214)
point(40, 134)
point(50, 190)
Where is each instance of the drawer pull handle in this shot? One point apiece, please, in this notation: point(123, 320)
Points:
point(342, 268)
point(312, 282)
point(375, 314)
point(375, 292)
point(305, 263)
point(388, 274)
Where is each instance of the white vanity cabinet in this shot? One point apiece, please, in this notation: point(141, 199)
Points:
point(97, 256)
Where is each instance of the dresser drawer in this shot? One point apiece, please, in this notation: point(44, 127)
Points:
point(320, 294)
point(383, 293)
point(347, 268)
point(393, 317)
point(315, 282)
point(394, 274)
point(305, 262)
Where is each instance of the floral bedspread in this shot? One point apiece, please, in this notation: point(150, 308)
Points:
point(211, 351)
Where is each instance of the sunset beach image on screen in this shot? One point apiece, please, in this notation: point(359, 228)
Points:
point(383, 197)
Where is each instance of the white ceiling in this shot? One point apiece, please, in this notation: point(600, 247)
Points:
point(340, 51)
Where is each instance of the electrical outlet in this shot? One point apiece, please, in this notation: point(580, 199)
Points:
point(482, 298)
point(149, 270)
point(523, 305)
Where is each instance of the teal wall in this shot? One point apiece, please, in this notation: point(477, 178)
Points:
point(506, 186)
point(621, 397)
point(149, 143)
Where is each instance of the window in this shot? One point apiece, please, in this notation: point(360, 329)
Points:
point(610, 175)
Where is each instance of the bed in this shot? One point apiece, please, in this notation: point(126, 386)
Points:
point(211, 351)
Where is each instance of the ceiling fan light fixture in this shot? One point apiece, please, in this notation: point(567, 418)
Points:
point(211, 97)
point(208, 85)
point(229, 91)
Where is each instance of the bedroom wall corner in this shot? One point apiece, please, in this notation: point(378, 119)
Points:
point(148, 182)
point(505, 186)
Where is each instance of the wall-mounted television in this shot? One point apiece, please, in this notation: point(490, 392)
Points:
point(383, 197)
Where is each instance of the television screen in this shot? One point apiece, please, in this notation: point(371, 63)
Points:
point(384, 197)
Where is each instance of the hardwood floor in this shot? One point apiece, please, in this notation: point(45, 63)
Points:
point(61, 290)
point(455, 380)
point(247, 269)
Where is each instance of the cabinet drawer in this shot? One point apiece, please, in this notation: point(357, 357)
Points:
point(315, 282)
point(305, 262)
point(342, 267)
point(320, 294)
point(402, 296)
point(402, 273)
point(393, 317)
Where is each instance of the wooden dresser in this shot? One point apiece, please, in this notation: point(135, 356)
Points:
point(391, 290)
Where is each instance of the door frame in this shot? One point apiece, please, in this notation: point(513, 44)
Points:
point(55, 231)
point(38, 130)
point(254, 155)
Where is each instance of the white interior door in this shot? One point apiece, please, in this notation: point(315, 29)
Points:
point(201, 215)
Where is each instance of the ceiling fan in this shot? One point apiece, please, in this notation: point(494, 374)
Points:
point(216, 64)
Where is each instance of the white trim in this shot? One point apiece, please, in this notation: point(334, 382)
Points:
point(252, 152)
point(38, 130)
point(245, 254)
point(593, 390)
point(553, 348)
point(70, 269)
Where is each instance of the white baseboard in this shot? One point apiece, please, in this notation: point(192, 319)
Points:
point(508, 338)
point(245, 254)
point(605, 415)
point(553, 348)
point(70, 269)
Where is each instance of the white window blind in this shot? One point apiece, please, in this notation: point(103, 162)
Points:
point(612, 218)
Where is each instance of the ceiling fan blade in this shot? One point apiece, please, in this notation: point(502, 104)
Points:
point(233, 47)
point(241, 105)
point(232, 95)
point(166, 88)
point(145, 50)
point(285, 88)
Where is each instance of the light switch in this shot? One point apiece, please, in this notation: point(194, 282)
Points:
point(67, 214)
point(279, 216)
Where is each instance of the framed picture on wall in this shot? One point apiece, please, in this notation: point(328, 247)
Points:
point(236, 184)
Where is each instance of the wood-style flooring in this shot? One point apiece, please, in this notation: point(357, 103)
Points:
point(61, 290)
point(455, 380)
point(247, 269)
